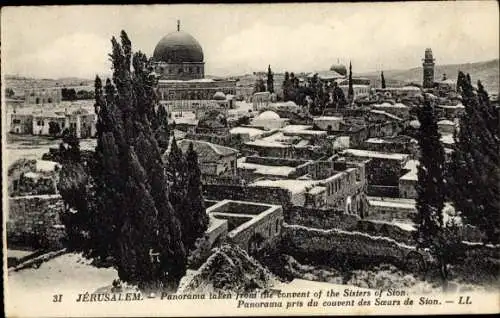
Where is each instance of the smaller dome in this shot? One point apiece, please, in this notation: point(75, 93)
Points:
point(268, 115)
point(341, 69)
point(415, 124)
point(219, 96)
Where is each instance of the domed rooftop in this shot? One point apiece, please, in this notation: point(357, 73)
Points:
point(268, 115)
point(219, 96)
point(178, 47)
point(341, 69)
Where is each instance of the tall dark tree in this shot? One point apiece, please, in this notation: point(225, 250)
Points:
point(382, 78)
point(127, 215)
point(350, 91)
point(474, 173)
point(194, 202)
point(432, 233)
point(270, 80)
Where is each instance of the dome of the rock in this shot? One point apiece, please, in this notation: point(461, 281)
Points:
point(178, 47)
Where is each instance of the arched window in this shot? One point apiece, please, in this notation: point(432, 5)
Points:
point(180, 70)
point(198, 69)
point(277, 225)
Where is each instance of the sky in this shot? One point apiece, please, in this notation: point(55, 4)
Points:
point(74, 41)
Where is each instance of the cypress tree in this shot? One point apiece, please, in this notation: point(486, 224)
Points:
point(194, 202)
point(474, 173)
point(430, 186)
point(350, 91)
point(432, 233)
point(270, 80)
point(382, 78)
point(130, 218)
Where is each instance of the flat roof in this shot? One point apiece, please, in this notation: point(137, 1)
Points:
point(265, 169)
point(375, 154)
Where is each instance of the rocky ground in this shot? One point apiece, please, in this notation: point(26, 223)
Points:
point(386, 276)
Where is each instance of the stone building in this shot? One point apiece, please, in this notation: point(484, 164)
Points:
point(40, 121)
point(383, 170)
point(214, 160)
point(43, 96)
point(338, 184)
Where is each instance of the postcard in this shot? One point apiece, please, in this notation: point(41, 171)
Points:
point(251, 159)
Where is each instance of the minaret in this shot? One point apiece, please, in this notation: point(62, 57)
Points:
point(428, 67)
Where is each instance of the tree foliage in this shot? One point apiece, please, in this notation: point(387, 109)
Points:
point(122, 198)
point(474, 174)
point(259, 86)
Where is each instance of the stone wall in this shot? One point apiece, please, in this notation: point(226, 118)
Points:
point(334, 219)
point(390, 146)
point(324, 245)
point(383, 191)
point(274, 161)
point(33, 221)
point(266, 226)
point(322, 218)
point(387, 230)
point(271, 195)
point(390, 211)
point(219, 139)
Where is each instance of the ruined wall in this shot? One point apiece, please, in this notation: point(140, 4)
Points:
point(333, 243)
point(33, 221)
point(322, 218)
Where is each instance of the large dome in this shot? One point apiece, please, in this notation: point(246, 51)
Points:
point(178, 47)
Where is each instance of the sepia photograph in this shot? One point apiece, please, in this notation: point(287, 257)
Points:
point(251, 159)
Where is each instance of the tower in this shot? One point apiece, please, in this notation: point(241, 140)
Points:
point(428, 66)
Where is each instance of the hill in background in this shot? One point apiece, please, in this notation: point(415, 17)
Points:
point(487, 72)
